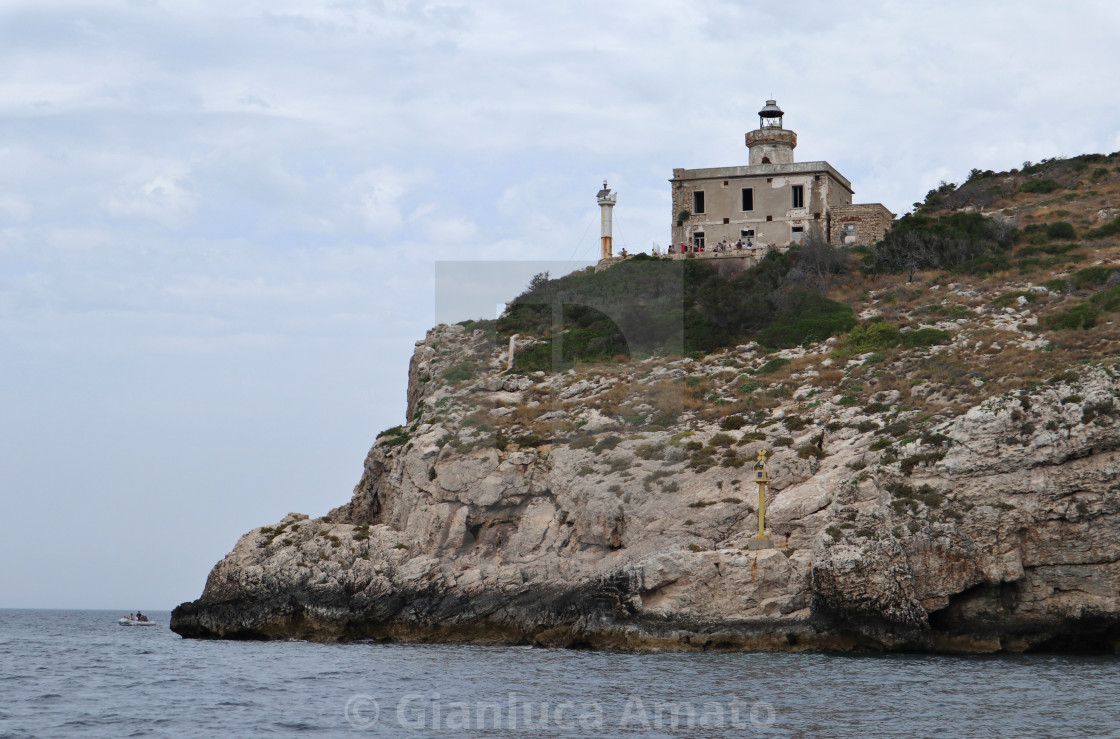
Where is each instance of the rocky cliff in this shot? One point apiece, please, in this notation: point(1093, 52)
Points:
point(611, 505)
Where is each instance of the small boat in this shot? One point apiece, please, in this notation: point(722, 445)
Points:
point(135, 622)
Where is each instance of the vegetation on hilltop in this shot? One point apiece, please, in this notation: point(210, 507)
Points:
point(646, 306)
point(987, 189)
point(999, 300)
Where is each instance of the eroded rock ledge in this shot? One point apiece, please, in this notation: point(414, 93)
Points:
point(992, 529)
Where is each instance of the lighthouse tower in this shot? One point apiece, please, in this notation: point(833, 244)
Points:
point(770, 143)
point(607, 199)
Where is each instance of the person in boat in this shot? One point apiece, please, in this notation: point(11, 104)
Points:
point(140, 616)
point(130, 617)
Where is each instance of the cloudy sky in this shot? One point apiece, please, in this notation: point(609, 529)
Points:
point(219, 222)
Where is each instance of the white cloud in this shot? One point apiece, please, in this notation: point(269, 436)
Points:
point(163, 198)
point(14, 207)
point(375, 195)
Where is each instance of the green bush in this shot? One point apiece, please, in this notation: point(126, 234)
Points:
point(1043, 186)
point(872, 336)
point(605, 444)
point(925, 337)
point(1108, 300)
point(773, 365)
point(794, 423)
point(732, 423)
point(581, 442)
point(1061, 230)
point(1112, 228)
point(460, 372)
point(1010, 297)
point(397, 436)
point(1084, 315)
point(721, 440)
point(806, 317)
point(1092, 276)
point(959, 241)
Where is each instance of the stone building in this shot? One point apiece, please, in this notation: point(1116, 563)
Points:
point(773, 201)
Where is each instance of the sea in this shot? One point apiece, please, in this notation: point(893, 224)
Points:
point(79, 673)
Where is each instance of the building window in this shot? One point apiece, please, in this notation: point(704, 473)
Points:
point(698, 238)
point(765, 160)
point(796, 234)
point(698, 201)
point(798, 196)
point(727, 220)
point(747, 236)
point(769, 218)
point(748, 198)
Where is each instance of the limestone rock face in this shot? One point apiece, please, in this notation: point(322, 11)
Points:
point(993, 529)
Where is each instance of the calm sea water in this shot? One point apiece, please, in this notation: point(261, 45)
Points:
point(78, 673)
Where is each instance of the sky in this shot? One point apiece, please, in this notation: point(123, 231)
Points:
point(220, 223)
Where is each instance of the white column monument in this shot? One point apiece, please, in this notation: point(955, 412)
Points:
point(607, 199)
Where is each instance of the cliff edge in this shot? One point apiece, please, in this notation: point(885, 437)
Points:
point(610, 506)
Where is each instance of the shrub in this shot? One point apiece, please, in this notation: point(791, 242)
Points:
point(1061, 230)
point(606, 444)
point(1008, 298)
point(582, 442)
point(1107, 300)
point(1112, 228)
point(925, 337)
point(773, 365)
point(794, 423)
point(1043, 186)
point(810, 450)
point(804, 318)
point(1092, 276)
point(529, 440)
point(954, 241)
point(460, 372)
point(1081, 316)
point(732, 423)
point(721, 440)
point(397, 436)
point(871, 337)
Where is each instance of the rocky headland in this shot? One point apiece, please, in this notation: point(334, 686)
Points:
point(950, 483)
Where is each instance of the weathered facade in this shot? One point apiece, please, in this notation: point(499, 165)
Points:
point(773, 201)
point(859, 224)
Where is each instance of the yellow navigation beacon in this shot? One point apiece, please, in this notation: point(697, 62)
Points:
point(762, 477)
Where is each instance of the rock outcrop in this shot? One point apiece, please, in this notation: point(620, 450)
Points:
point(598, 509)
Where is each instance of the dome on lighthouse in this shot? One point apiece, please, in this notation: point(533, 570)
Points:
point(770, 110)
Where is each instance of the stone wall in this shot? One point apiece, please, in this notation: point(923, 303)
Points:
point(865, 223)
